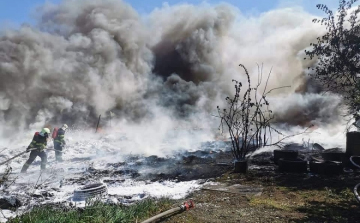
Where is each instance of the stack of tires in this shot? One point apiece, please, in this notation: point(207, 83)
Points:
point(288, 161)
point(330, 164)
point(332, 161)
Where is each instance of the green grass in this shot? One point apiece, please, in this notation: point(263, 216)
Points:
point(96, 212)
point(272, 204)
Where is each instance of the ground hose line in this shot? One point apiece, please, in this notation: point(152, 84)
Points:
point(16, 156)
point(356, 192)
point(352, 161)
point(6, 161)
point(186, 206)
point(357, 185)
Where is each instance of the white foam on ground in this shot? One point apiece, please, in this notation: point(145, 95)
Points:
point(84, 151)
point(168, 189)
point(5, 214)
point(130, 189)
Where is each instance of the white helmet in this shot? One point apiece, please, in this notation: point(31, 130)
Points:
point(45, 132)
point(65, 126)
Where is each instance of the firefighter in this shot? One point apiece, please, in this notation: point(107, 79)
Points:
point(59, 142)
point(37, 147)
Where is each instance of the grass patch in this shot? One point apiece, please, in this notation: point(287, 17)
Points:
point(327, 195)
point(319, 205)
point(271, 203)
point(96, 212)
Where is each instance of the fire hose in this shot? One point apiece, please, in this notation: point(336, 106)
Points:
point(357, 185)
point(356, 192)
point(352, 161)
point(15, 156)
point(6, 161)
point(184, 207)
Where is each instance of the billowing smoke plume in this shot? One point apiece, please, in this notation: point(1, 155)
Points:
point(91, 57)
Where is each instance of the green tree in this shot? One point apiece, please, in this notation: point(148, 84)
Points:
point(338, 53)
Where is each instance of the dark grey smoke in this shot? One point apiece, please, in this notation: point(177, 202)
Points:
point(190, 46)
point(91, 57)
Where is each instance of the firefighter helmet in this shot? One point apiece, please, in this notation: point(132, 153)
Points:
point(45, 132)
point(65, 126)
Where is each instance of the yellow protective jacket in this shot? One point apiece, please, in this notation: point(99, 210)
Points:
point(60, 137)
point(39, 142)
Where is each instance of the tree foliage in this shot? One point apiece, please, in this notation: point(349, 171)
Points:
point(338, 53)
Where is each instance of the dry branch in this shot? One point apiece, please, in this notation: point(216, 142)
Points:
point(248, 117)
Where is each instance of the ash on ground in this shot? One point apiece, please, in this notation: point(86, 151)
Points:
point(134, 179)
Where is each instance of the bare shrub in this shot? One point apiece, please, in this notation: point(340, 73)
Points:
point(248, 117)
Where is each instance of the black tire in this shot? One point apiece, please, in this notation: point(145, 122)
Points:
point(315, 166)
point(332, 156)
point(241, 166)
point(353, 143)
point(326, 168)
point(292, 166)
point(285, 154)
point(90, 190)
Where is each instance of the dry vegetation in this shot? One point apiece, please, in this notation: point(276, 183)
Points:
point(286, 198)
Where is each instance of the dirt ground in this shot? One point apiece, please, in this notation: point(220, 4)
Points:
point(285, 198)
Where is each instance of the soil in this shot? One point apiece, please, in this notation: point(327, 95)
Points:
point(285, 198)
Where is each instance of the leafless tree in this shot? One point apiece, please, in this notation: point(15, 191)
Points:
point(248, 117)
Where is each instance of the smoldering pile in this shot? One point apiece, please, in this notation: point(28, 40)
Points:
point(204, 163)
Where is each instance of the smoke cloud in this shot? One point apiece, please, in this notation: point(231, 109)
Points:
point(85, 59)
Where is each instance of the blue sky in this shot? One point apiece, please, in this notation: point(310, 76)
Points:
point(16, 12)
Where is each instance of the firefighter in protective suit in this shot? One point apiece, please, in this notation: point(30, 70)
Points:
point(59, 142)
point(38, 145)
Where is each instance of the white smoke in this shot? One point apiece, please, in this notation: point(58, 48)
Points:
point(173, 66)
